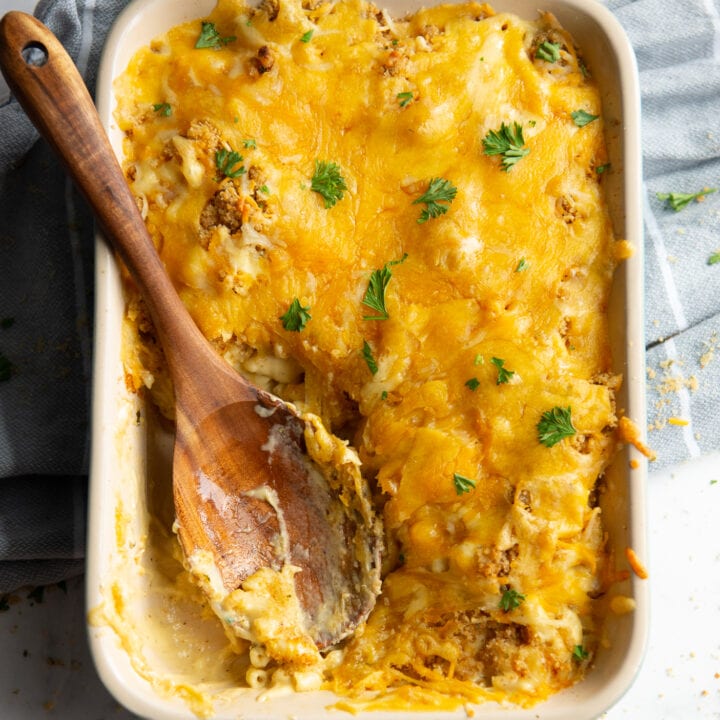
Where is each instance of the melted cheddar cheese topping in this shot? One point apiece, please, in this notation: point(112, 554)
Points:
point(495, 306)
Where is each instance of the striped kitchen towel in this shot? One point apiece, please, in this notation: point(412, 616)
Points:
point(677, 45)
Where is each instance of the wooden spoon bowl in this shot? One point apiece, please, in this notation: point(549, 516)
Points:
point(247, 494)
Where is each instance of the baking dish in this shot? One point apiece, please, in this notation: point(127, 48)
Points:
point(130, 449)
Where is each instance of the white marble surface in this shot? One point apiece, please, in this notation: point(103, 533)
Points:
point(46, 669)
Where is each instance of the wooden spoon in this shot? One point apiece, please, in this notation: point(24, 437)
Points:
point(247, 494)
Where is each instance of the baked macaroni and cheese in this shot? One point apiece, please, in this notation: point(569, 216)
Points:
point(398, 224)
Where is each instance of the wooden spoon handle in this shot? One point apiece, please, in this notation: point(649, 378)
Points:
point(47, 84)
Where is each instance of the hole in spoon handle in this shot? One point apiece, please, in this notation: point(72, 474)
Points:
point(35, 53)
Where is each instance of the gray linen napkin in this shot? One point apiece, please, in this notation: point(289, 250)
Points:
point(46, 284)
point(46, 236)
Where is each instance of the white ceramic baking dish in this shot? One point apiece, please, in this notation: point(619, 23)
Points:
point(126, 450)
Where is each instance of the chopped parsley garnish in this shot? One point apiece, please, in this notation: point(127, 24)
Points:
point(6, 368)
point(548, 51)
point(164, 109)
point(375, 293)
point(306, 37)
point(508, 141)
point(579, 653)
point(211, 38)
point(328, 182)
point(404, 98)
point(522, 265)
point(677, 201)
point(600, 169)
point(462, 484)
point(479, 360)
point(437, 199)
point(582, 118)
point(249, 144)
point(226, 162)
point(473, 383)
point(714, 259)
point(296, 317)
point(369, 359)
point(503, 374)
point(510, 599)
point(554, 425)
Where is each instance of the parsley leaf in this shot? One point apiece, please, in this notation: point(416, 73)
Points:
point(211, 38)
point(375, 293)
point(439, 192)
point(508, 141)
point(554, 425)
point(473, 383)
point(462, 484)
point(579, 653)
point(164, 109)
point(225, 162)
point(296, 317)
point(503, 374)
point(522, 265)
point(328, 182)
point(369, 359)
point(250, 144)
point(548, 51)
point(714, 259)
point(510, 599)
point(6, 368)
point(582, 118)
point(404, 98)
point(306, 37)
point(677, 201)
point(600, 169)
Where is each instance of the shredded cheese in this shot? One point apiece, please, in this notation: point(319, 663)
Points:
point(487, 589)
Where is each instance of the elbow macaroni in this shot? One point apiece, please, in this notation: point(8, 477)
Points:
point(495, 546)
